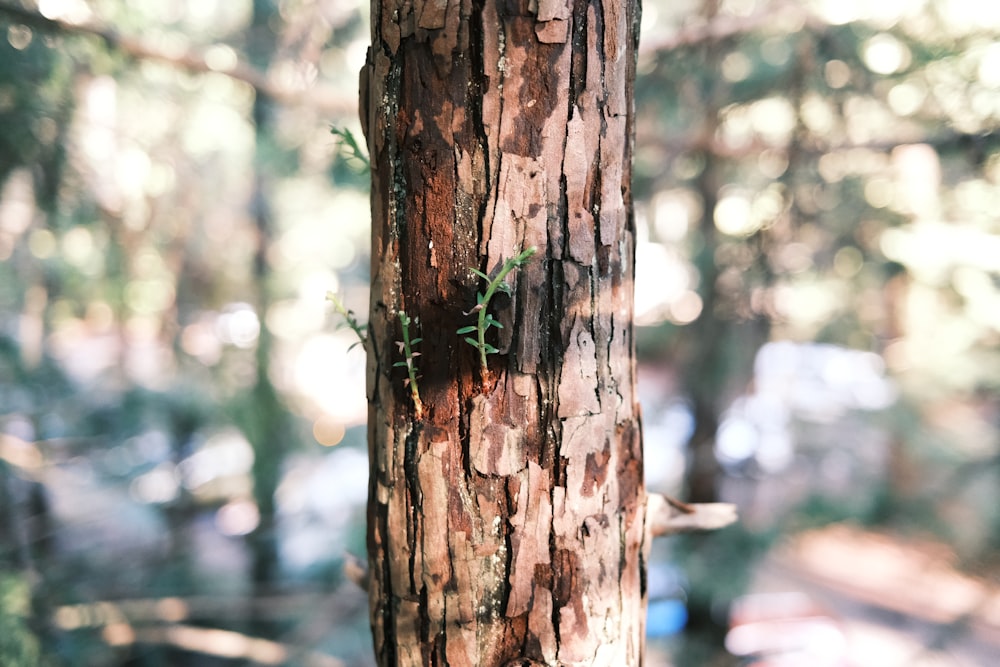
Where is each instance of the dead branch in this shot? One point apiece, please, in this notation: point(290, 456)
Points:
point(666, 516)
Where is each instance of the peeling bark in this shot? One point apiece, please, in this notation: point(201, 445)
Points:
point(507, 522)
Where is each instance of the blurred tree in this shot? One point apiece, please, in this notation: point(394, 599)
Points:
point(264, 418)
point(816, 170)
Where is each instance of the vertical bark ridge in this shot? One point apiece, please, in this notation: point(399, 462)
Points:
point(506, 523)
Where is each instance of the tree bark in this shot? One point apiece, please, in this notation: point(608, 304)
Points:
point(506, 520)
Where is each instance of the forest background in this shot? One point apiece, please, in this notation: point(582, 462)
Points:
point(182, 441)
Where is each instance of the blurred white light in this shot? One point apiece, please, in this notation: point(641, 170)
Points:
point(332, 374)
point(737, 440)
point(776, 50)
point(19, 426)
point(790, 641)
point(238, 325)
point(221, 58)
point(19, 36)
point(879, 192)
point(663, 463)
point(71, 11)
point(772, 163)
point(837, 73)
point(131, 171)
point(884, 54)
point(907, 98)
point(339, 484)
point(774, 118)
point(77, 245)
point(223, 455)
point(237, 517)
point(20, 453)
point(775, 452)
point(965, 16)
point(201, 340)
point(686, 308)
point(989, 66)
point(17, 202)
point(660, 279)
point(818, 114)
point(736, 66)
point(159, 485)
point(840, 12)
point(673, 211)
point(732, 215)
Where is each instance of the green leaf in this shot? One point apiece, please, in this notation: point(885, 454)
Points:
point(489, 348)
point(399, 363)
point(479, 298)
point(472, 341)
point(480, 274)
point(465, 330)
point(504, 287)
point(414, 341)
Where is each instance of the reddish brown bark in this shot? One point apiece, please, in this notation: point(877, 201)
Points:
point(507, 520)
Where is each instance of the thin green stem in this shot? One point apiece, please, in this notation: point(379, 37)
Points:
point(348, 316)
point(406, 347)
point(349, 144)
point(485, 320)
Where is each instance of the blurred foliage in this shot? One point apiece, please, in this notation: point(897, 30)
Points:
point(18, 645)
point(825, 173)
point(38, 112)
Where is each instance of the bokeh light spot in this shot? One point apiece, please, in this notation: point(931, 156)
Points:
point(884, 54)
point(328, 431)
point(42, 243)
point(237, 517)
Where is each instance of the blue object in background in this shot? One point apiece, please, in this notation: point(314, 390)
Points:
point(665, 618)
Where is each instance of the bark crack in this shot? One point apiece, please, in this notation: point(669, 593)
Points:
point(413, 501)
point(553, 551)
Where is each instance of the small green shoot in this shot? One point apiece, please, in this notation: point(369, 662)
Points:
point(406, 349)
point(349, 318)
point(485, 319)
point(349, 145)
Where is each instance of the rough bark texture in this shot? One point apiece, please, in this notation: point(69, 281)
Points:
point(506, 520)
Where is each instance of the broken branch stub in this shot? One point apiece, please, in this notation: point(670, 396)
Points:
point(664, 517)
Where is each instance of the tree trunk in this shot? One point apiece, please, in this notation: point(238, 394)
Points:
point(506, 508)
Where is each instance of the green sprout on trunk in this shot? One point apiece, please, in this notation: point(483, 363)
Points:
point(349, 317)
point(406, 349)
point(485, 319)
point(349, 145)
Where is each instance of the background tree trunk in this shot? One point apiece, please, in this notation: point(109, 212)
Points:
point(506, 520)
